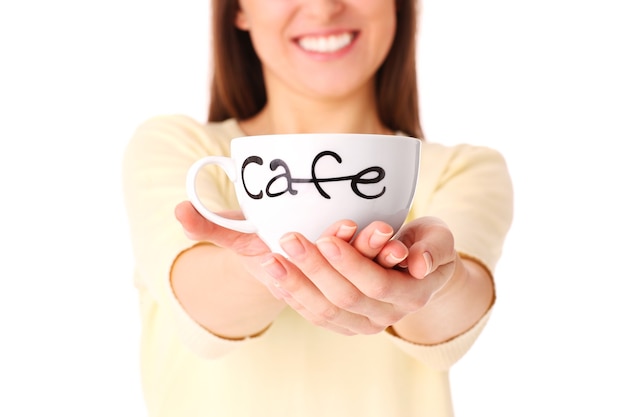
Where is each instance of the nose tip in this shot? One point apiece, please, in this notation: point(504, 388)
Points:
point(324, 9)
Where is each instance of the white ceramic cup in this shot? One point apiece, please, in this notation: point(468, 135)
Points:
point(306, 182)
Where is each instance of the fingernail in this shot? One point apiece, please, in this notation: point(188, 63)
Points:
point(428, 259)
point(379, 238)
point(328, 248)
point(393, 260)
point(345, 232)
point(291, 245)
point(274, 268)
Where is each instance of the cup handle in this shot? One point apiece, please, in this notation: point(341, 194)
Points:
point(228, 165)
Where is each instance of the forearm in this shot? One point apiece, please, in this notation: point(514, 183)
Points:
point(459, 305)
point(216, 291)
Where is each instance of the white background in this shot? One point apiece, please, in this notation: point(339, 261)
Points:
point(542, 81)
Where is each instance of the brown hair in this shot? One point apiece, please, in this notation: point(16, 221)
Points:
point(238, 89)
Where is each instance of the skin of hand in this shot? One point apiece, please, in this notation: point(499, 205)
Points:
point(430, 296)
point(351, 284)
point(353, 287)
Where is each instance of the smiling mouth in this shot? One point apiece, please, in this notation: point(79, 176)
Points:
point(326, 44)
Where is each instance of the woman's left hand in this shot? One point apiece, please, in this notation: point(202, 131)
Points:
point(363, 284)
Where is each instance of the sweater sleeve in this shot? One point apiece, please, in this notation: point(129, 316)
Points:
point(470, 189)
point(155, 166)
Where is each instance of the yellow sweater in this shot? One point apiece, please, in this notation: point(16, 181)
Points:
point(294, 369)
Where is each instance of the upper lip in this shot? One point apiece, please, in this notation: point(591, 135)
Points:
point(326, 32)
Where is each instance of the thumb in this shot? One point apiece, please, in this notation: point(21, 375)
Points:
point(430, 243)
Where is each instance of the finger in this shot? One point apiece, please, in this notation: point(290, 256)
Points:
point(431, 245)
point(373, 238)
point(393, 254)
point(344, 230)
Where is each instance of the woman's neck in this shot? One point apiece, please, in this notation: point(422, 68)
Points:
point(299, 114)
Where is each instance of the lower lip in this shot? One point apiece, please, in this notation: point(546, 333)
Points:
point(328, 56)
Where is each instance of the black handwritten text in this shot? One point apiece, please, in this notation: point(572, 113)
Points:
point(272, 188)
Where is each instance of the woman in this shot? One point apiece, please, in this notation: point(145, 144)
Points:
point(231, 329)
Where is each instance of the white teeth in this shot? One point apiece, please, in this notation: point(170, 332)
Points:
point(325, 44)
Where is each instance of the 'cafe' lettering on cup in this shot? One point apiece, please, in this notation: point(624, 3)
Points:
point(355, 180)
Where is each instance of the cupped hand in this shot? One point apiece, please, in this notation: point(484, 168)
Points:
point(365, 283)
